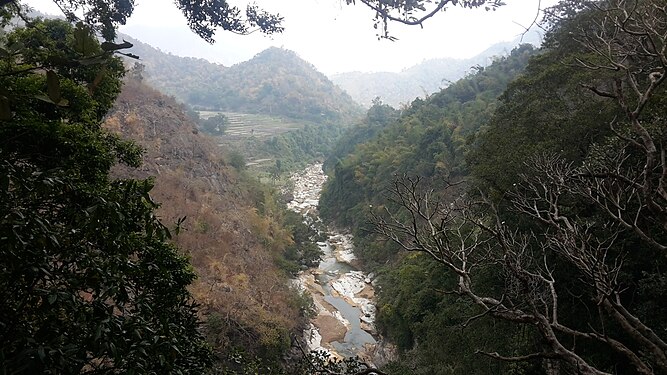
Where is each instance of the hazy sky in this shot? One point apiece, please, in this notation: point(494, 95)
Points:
point(333, 36)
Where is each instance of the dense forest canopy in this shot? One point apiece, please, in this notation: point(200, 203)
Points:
point(516, 218)
point(276, 82)
point(85, 260)
point(398, 89)
point(428, 139)
point(542, 232)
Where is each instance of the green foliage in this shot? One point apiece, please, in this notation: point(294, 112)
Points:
point(299, 147)
point(89, 280)
point(378, 116)
point(202, 17)
point(215, 125)
point(545, 110)
point(276, 82)
point(300, 250)
point(428, 139)
point(304, 252)
point(74, 58)
point(237, 160)
point(413, 307)
point(103, 291)
point(556, 107)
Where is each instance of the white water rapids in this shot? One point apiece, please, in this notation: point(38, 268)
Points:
point(343, 295)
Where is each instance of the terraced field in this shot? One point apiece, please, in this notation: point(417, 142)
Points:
point(244, 125)
point(245, 131)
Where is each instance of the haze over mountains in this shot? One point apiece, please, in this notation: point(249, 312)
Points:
point(422, 79)
point(275, 82)
point(278, 82)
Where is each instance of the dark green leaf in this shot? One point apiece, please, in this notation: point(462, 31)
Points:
point(93, 60)
point(108, 46)
point(53, 86)
point(5, 109)
point(83, 40)
point(130, 55)
point(44, 98)
point(16, 47)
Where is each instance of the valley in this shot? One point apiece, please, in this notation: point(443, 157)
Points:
point(503, 214)
point(343, 322)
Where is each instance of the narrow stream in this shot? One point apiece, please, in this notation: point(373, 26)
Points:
point(343, 295)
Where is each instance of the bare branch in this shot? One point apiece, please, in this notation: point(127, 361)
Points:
point(521, 358)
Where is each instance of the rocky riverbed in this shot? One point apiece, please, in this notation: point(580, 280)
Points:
point(343, 295)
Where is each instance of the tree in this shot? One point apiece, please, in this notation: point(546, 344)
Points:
point(590, 225)
point(205, 16)
point(89, 280)
point(215, 124)
point(90, 283)
point(631, 42)
point(414, 13)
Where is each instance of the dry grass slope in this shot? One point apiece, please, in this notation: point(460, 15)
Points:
point(243, 295)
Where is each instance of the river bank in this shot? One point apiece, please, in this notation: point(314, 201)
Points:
point(342, 294)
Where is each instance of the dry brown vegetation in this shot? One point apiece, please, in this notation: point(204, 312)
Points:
point(232, 230)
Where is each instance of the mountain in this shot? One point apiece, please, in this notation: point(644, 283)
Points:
point(170, 73)
point(422, 79)
point(231, 228)
point(429, 138)
point(278, 82)
point(275, 82)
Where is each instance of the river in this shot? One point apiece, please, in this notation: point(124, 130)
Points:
point(343, 295)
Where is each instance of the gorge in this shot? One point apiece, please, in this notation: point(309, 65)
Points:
point(343, 321)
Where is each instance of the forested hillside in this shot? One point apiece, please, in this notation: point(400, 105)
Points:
point(169, 73)
point(428, 139)
point(233, 230)
point(513, 222)
point(131, 243)
point(275, 82)
point(532, 216)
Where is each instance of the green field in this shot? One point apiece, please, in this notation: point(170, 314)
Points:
point(244, 125)
point(245, 131)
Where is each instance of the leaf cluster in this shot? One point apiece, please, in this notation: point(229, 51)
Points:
point(90, 282)
point(558, 112)
point(203, 17)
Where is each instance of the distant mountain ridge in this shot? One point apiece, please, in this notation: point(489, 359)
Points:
point(275, 82)
point(170, 73)
point(420, 80)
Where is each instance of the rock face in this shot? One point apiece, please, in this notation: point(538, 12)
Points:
point(342, 294)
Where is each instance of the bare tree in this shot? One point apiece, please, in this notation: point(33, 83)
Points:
point(468, 235)
point(629, 42)
point(625, 178)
